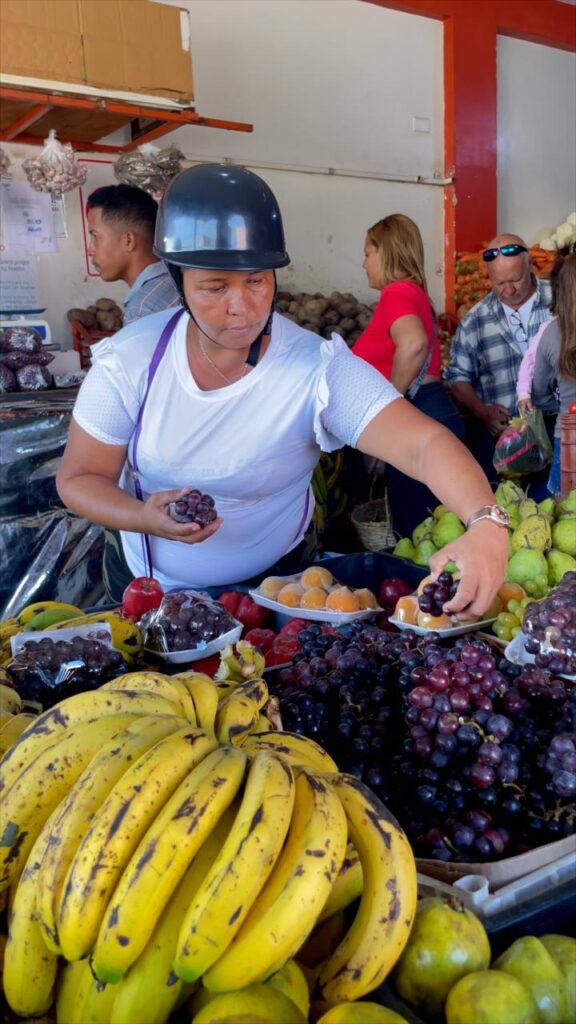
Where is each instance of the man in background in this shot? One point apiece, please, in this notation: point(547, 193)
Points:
point(491, 341)
point(121, 221)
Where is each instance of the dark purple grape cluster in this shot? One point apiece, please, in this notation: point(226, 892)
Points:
point(48, 670)
point(560, 765)
point(549, 627)
point(435, 595)
point(194, 507)
point(449, 734)
point(186, 620)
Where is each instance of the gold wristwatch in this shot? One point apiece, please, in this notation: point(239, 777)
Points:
point(496, 513)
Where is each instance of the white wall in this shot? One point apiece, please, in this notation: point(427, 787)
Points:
point(327, 85)
point(536, 136)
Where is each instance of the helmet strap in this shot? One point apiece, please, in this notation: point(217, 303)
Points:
point(254, 353)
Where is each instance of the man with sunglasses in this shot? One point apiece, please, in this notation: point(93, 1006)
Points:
point(491, 341)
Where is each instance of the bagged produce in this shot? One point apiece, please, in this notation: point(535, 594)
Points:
point(20, 339)
point(523, 447)
point(33, 377)
point(149, 168)
point(4, 164)
point(55, 169)
point(188, 620)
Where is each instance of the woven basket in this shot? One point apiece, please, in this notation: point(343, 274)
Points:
point(373, 524)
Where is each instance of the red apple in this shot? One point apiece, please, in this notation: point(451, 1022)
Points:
point(390, 590)
point(141, 594)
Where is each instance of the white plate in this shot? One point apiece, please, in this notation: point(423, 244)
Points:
point(464, 627)
point(197, 653)
point(516, 652)
point(312, 614)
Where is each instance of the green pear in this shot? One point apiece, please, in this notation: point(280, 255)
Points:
point(563, 535)
point(568, 504)
point(527, 564)
point(533, 532)
point(507, 492)
point(451, 567)
point(558, 564)
point(528, 507)
point(548, 508)
point(513, 510)
point(424, 551)
point(404, 548)
point(447, 529)
point(439, 511)
point(530, 963)
point(490, 997)
point(562, 949)
point(423, 531)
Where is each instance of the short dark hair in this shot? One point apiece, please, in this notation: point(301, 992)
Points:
point(126, 204)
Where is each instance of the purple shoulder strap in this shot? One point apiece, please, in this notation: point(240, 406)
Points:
point(154, 364)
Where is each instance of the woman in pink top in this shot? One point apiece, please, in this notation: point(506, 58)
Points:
point(401, 341)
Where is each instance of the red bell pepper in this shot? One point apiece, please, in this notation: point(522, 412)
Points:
point(294, 626)
point(282, 651)
point(243, 608)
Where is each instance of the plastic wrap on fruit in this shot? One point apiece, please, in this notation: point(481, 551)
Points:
point(149, 167)
point(549, 627)
point(523, 447)
point(21, 339)
point(185, 620)
point(48, 669)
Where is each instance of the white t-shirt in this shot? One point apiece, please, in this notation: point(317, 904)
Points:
point(523, 314)
point(252, 445)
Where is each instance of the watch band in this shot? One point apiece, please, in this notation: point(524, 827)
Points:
point(496, 513)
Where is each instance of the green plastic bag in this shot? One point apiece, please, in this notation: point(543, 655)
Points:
point(523, 447)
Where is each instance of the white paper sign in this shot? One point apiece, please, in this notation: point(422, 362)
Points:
point(19, 285)
point(27, 218)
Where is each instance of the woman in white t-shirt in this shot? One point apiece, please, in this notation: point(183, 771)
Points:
point(225, 397)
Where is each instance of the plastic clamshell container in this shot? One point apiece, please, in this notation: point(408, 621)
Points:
point(463, 627)
point(516, 652)
point(333, 618)
point(202, 651)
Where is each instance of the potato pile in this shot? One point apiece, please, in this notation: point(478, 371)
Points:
point(104, 315)
point(339, 313)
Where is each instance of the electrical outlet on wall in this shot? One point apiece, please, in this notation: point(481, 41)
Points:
point(420, 124)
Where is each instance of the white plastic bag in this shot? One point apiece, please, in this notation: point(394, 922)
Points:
point(55, 169)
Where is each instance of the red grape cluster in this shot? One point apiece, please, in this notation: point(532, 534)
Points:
point(549, 626)
point(450, 735)
point(185, 621)
point(435, 595)
point(193, 507)
point(49, 670)
point(560, 764)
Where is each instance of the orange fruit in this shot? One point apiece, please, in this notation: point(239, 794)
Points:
point(341, 599)
point(406, 609)
point(290, 595)
point(315, 597)
point(511, 592)
point(316, 576)
point(366, 598)
point(271, 586)
point(433, 621)
point(494, 608)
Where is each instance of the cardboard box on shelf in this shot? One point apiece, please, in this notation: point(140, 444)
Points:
point(122, 45)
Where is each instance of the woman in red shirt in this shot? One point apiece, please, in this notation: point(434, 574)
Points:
point(402, 342)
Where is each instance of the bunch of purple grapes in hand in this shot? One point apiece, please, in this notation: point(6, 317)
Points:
point(435, 595)
point(194, 507)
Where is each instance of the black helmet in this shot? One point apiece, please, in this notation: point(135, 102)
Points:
point(218, 217)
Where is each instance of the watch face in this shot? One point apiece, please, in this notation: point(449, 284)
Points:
point(501, 515)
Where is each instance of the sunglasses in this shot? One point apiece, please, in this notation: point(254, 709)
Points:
point(507, 250)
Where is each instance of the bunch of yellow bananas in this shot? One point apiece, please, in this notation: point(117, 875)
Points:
point(159, 840)
point(49, 615)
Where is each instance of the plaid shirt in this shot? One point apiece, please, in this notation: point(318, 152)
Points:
point(152, 291)
point(484, 352)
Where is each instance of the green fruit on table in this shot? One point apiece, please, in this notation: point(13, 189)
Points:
point(564, 535)
point(527, 565)
point(423, 553)
point(528, 960)
point(447, 529)
point(548, 508)
point(559, 563)
point(568, 504)
point(404, 548)
point(360, 1013)
point(533, 532)
point(562, 949)
point(446, 942)
point(528, 507)
point(423, 531)
point(490, 997)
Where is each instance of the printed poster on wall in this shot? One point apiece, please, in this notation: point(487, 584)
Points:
point(19, 285)
point(27, 219)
